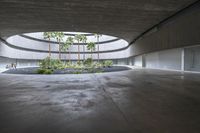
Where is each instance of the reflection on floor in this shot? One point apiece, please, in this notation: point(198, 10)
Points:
point(134, 101)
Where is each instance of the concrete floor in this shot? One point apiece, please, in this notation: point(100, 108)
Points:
point(134, 101)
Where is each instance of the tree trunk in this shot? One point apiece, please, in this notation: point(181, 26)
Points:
point(78, 51)
point(59, 52)
point(49, 48)
point(59, 49)
point(91, 54)
point(83, 52)
point(69, 56)
point(98, 47)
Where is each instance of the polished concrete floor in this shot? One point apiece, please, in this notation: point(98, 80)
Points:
point(134, 101)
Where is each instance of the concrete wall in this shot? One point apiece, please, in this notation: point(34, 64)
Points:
point(181, 59)
point(122, 61)
point(168, 59)
point(9, 52)
point(20, 47)
point(180, 31)
point(40, 44)
point(138, 61)
point(4, 61)
point(192, 59)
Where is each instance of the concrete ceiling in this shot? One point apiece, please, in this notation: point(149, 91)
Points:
point(126, 19)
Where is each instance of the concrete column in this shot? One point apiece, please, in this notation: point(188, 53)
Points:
point(143, 61)
point(183, 59)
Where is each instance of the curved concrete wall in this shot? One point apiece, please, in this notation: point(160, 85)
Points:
point(32, 46)
point(9, 52)
point(181, 30)
point(109, 43)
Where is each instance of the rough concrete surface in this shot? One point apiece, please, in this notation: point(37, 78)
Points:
point(125, 18)
point(133, 101)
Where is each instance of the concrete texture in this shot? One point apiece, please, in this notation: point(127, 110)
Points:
point(180, 31)
point(135, 101)
point(29, 44)
point(191, 59)
point(125, 18)
point(167, 59)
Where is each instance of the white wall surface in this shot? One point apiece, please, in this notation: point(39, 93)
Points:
point(6, 51)
point(168, 59)
point(192, 59)
point(138, 61)
point(39, 45)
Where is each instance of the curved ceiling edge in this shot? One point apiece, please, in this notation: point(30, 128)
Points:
point(53, 42)
point(44, 51)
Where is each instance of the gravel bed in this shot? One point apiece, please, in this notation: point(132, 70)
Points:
point(33, 70)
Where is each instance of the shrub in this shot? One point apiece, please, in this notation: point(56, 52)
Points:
point(98, 71)
point(88, 62)
point(49, 63)
point(44, 71)
point(77, 72)
point(56, 64)
point(40, 71)
point(48, 71)
point(108, 63)
point(97, 65)
point(79, 62)
point(78, 65)
point(45, 63)
point(69, 65)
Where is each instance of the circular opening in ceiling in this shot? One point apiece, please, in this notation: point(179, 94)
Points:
point(69, 52)
point(40, 41)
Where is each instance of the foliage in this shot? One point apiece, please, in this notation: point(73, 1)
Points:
point(44, 71)
point(48, 35)
point(83, 38)
point(80, 38)
point(88, 62)
point(41, 71)
point(79, 65)
point(69, 65)
point(58, 35)
point(49, 63)
point(67, 44)
point(46, 63)
point(107, 63)
point(98, 71)
point(77, 72)
point(98, 65)
point(91, 46)
point(97, 35)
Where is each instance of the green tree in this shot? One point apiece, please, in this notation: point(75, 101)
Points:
point(98, 36)
point(48, 35)
point(59, 37)
point(91, 47)
point(78, 38)
point(83, 40)
point(67, 44)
